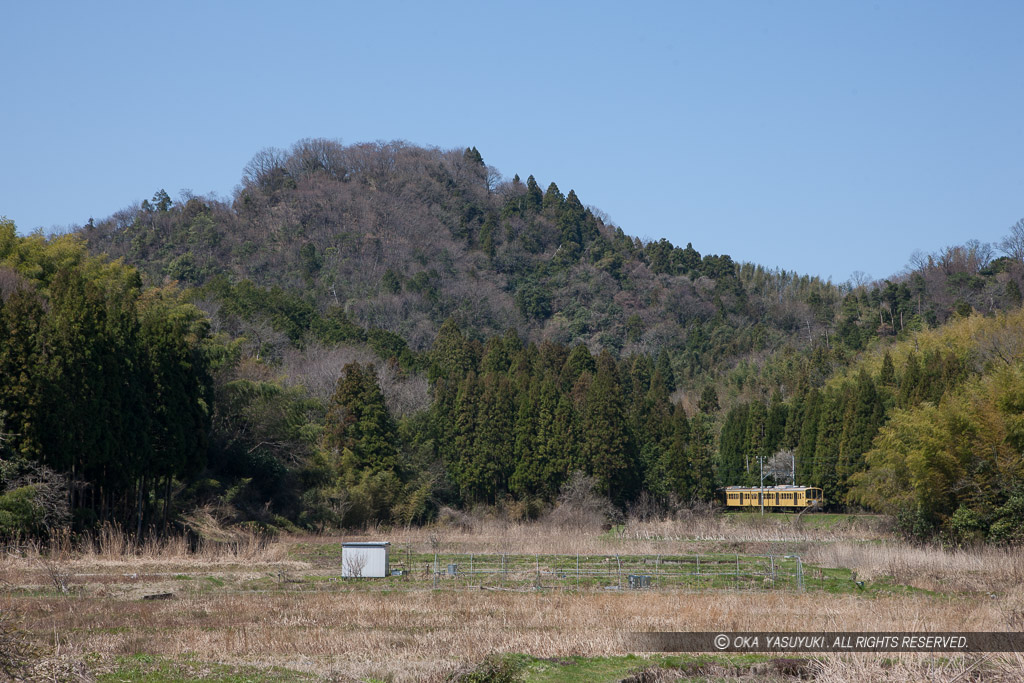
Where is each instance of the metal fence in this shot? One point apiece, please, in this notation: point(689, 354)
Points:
point(602, 572)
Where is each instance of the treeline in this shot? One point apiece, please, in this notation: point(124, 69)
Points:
point(509, 421)
point(518, 419)
point(127, 404)
point(133, 405)
point(924, 430)
point(406, 266)
point(104, 385)
point(401, 238)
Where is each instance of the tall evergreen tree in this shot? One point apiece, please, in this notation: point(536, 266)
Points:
point(708, 400)
point(460, 454)
point(699, 459)
point(734, 447)
point(359, 423)
point(807, 447)
point(493, 450)
point(571, 220)
point(664, 371)
point(534, 196)
point(758, 446)
point(578, 362)
point(910, 388)
point(553, 199)
point(887, 377)
point(826, 451)
point(605, 445)
point(864, 415)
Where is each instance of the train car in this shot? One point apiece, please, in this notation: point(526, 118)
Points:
point(791, 497)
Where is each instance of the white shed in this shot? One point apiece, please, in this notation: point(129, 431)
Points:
point(365, 559)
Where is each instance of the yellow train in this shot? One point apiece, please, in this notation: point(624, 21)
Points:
point(774, 496)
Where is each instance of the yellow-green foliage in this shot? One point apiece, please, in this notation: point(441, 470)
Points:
point(978, 340)
point(964, 451)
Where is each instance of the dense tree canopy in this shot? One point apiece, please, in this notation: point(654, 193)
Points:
point(369, 332)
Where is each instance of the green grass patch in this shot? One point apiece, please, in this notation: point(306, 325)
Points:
point(810, 520)
point(615, 668)
point(156, 669)
point(840, 580)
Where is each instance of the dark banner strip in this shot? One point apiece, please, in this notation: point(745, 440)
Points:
point(812, 641)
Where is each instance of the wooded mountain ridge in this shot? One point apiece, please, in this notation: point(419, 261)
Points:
point(458, 308)
point(400, 238)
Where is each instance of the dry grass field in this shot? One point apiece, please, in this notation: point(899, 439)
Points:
point(277, 610)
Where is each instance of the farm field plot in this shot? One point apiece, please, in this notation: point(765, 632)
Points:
point(280, 611)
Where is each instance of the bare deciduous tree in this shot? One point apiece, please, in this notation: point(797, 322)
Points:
point(780, 466)
point(262, 165)
point(1013, 244)
point(355, 564)
point(50, 491)
point(859, 278)
point(313, 155)
point(580, 506)
point(10, 281)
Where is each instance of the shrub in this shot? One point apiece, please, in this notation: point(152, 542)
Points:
point(494, 669)
point(20, 514)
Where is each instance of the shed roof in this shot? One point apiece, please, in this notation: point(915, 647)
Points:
point(365, 544)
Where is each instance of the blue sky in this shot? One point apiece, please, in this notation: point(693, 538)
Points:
point(822, 137)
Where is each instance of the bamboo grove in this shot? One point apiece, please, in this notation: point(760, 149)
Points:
point(103, 383)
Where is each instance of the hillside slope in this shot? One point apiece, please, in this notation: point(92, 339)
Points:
point(401, 238)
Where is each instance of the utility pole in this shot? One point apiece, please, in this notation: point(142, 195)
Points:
point(760, 460)
point(760, 493)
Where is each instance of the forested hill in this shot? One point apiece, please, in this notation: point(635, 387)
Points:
point(373, 332)
point(400, 238)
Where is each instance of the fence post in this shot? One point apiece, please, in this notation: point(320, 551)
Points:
point(577, 571)
point(799, 574)
point(435, 570)
point(737, 570)
point(470, 568)
point(772, 558)
point(618, 571)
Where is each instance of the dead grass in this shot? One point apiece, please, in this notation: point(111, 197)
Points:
point(993, 668)
point(686, 532)
point(928, 568)
point(773, 528)
point(231, 606)
point(427, 634)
